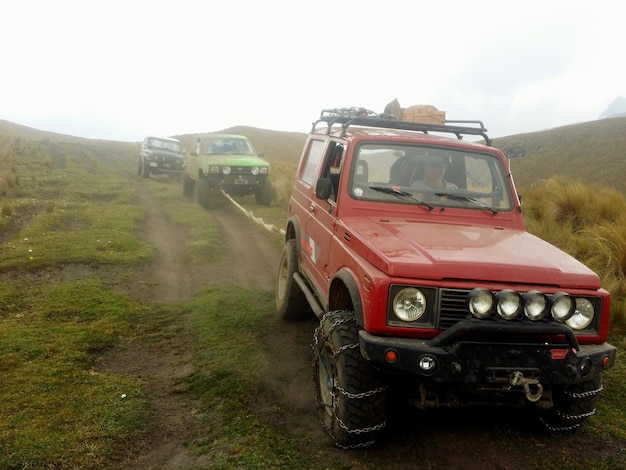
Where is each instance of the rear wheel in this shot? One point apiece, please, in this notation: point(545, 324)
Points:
point(291, 304)
point(572, 405)
point(349, 393)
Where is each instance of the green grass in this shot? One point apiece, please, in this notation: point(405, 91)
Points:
point(231, 362)
point(57, 410)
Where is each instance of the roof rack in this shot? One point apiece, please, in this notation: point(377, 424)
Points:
point(354, 116)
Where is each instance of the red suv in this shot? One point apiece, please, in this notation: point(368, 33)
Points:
point(409, 245)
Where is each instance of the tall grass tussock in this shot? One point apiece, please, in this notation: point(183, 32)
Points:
point(589, 223)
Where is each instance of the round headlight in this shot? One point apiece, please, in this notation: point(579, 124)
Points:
point(409, 304)
point(535, 305)
point(480, 302)
point(562, 307)
point(226, 170)
point(254, 170)
point(583, 315)
point(509, 304)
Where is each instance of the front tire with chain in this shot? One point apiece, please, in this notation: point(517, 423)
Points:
point(350, 394)
point(572, 405)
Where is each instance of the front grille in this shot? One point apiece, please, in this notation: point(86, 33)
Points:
point(452, 307)
point(240, 170)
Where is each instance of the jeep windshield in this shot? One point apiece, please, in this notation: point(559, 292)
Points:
point(170, 145)
point(435, 176)
point(226, 146)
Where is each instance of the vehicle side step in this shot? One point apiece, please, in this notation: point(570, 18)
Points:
point(315, 305)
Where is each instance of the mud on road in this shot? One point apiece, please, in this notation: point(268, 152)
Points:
point(484, 438)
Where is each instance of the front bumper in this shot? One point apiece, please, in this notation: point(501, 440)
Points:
point(456, 357)
point(165, 166)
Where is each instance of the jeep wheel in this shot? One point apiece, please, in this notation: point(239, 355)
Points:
point(263, 193)
point(188, 186)
point(349, 393)
point(139, 167)
point(291, 304)
point(572, 405)
point(145, 170)
point(204, 196)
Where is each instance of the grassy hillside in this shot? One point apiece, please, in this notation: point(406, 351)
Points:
point(593, 152)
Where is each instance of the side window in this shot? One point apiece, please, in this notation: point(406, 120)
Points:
point(333, 164)
point(313, 159)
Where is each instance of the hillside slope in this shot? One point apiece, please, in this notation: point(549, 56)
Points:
point(593, 152)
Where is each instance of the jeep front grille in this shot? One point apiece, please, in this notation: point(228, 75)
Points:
point(452, 307)
point(240, 170)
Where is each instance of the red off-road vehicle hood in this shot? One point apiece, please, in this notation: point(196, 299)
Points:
point(409, 249)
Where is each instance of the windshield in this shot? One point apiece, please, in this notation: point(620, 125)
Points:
point(223, 145)
point(434, 177)
point(164, 144)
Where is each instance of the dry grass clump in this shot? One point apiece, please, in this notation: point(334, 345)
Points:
point(282, 175)
point(589, 223)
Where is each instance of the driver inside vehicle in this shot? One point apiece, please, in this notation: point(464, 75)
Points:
point(434, 171)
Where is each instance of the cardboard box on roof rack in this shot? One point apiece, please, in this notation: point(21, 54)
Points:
point(425, 113)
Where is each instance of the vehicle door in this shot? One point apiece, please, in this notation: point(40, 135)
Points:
point(193, 160)
point(320, 224)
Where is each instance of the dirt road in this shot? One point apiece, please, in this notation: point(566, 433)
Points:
point(485, 438)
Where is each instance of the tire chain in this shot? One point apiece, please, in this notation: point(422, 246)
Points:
point(559, 428)
point(347, 394)
point(567, 417)
point(588, 394)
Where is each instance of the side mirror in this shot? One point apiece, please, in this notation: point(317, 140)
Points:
point(195, 150)
point(323, 188)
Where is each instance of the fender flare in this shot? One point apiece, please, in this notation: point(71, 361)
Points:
point(347, 278)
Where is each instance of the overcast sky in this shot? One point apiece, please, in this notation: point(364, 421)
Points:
point(119, 70)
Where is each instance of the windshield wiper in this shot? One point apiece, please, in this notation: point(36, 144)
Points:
point(461, 197)
point(400, 194)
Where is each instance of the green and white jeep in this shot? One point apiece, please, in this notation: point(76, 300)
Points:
point(225, 162)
